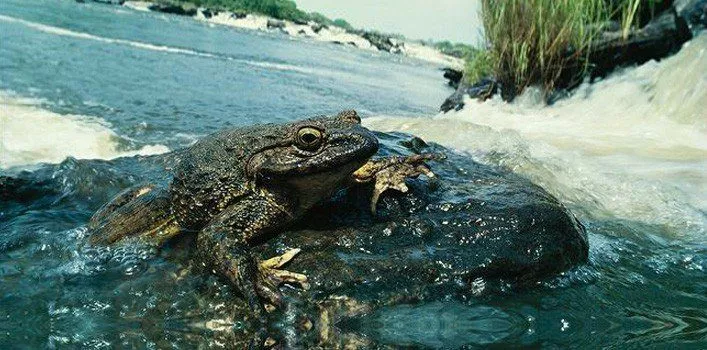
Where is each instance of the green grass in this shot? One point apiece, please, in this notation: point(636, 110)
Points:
point(280, 9)
point(478, 65)
point(458, 50)
point(535, 42)
point(628, 11)
point(530, 41)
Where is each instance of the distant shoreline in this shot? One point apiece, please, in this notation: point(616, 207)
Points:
point(363, 40)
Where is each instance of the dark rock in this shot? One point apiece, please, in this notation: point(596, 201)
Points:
point(431, 243)
point(482, 90)
point(208, 13)
point(695, 14)
point(317, 27)
point(381, 41)
point(173, 9)
point(110, 2)
point(276, 23)
point(239, 15)
point(661, 37)
point(453, 76)
point(21, 190)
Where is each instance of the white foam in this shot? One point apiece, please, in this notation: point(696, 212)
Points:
point(432, 55)
point(633, 146)
point(31, 135)
point(143, 6)
point(250, 21)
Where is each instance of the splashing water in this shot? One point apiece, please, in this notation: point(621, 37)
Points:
point(63, 135)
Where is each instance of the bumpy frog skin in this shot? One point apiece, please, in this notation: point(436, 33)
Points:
point(240, 186)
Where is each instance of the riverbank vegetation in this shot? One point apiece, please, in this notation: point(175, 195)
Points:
point(280, 9)
point(536, 42)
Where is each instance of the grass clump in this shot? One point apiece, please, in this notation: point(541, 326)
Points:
point(478, 64)
point(545, 42)
point(458, 50)
point(532, 42)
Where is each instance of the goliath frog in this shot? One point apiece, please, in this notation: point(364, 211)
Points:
point(238, 187)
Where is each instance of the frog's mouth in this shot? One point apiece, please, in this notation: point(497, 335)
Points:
point(342, 152)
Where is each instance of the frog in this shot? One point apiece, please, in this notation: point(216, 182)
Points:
point(240, 186)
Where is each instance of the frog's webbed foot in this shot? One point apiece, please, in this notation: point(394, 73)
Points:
point(271, 276)
point(391, 172)
point(270, 269)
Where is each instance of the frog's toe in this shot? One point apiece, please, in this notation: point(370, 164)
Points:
point(269, 294)
point(280, 260)
point(269, 269)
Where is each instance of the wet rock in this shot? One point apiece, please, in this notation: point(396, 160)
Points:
point(207, 13)
point(316, 27)
point(382, 42)
point(276, 24)
point(473, 223)
point(111, 2)
point(182, 10)
point(453, 76)
point(300, 21)
point(663, 36)
point(21, 190)
point(694, 12)
point(482, 90)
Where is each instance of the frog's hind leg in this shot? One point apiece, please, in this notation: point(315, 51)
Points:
point(142, 211)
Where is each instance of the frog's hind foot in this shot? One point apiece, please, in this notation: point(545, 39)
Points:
point(270, 269)
point(273, 276)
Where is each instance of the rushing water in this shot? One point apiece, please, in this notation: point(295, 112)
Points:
point(627, 154)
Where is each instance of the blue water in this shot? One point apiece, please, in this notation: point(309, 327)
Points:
point(222, 76)
point(99, 81)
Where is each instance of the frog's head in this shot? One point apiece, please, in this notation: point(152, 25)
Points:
point(315, 156)
point(316, 145)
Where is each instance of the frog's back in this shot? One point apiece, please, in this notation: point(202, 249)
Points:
point(212, 173)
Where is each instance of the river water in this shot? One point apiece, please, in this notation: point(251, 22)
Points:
point(626, 154)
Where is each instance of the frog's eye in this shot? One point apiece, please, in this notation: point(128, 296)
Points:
point(309, 138)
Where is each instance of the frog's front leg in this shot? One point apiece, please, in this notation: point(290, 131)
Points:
point(391, 172)
point(224, 248)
